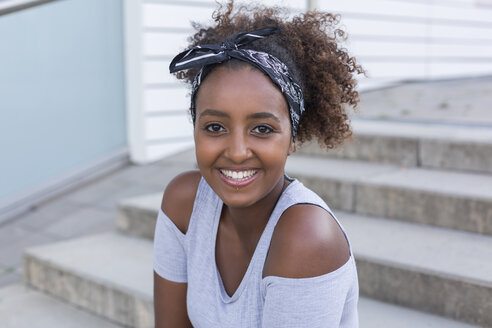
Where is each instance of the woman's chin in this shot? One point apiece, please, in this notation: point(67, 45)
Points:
point(237, 200)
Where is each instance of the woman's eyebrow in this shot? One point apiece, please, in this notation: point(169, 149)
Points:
point(264, 115)
point(213, 112)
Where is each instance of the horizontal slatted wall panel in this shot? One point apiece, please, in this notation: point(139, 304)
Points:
point(399, 40)
point(467, 26)
point(166, 26)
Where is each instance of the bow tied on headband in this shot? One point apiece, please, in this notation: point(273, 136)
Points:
point(203, 55)
point(228, 45)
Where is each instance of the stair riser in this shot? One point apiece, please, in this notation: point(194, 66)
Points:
point(338, 194)
point(474, 157)
point(395, 150)
point(110, 303)
point(449, 211)
point(431, 153)
point(136, 222)
point(459, 300)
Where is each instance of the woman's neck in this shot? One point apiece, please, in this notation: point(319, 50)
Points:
point(249, 222)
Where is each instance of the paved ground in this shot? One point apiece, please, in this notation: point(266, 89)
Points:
point(92, 208)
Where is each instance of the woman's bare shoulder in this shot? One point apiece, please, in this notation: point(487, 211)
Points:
point(306, 242)
point(179, 197)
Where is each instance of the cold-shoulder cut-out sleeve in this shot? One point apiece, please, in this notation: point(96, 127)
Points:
point(327, 301)
point(169, 250)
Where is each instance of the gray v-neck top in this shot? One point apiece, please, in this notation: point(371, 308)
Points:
point(329, 300)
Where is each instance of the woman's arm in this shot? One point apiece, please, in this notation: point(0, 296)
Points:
point(306, 242)
point(170, 303)
point(169, 251)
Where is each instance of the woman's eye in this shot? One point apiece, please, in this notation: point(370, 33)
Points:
point(263, 129)
point(214, 127)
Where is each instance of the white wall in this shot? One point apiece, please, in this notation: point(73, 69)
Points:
point(394, 40)
point(417, 39)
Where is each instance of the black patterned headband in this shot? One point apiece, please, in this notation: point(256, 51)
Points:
point(201, 56)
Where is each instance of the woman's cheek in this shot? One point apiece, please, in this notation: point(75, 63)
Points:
point(207, 149)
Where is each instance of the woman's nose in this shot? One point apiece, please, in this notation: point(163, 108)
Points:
point(238, 149)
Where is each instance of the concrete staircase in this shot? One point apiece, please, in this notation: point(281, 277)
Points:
point(415, 199)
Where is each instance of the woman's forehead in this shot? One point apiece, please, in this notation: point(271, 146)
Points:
point(243, 89)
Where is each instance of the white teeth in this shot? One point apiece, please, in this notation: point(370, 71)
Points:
point(238, 175)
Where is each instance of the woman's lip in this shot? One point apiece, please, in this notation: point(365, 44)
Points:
point(236, 183)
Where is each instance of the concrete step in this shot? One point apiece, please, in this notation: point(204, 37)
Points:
point(437, 270)
point(376, 314)
point(24, 307)
point(107, 274)
point(449, 199)
point(110, 274)
point(137, 215)
point(433, 145)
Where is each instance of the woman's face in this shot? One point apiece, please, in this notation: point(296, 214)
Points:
point(242, 134)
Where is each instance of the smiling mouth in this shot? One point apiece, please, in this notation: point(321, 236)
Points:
point(238, 178)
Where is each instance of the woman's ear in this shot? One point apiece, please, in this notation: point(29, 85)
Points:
point(292, 147)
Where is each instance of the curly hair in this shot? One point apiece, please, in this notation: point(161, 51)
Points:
point(310, 45)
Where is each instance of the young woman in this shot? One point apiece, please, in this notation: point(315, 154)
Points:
point(238, 243)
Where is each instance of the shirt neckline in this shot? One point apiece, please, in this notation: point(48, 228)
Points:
point(237, 293)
